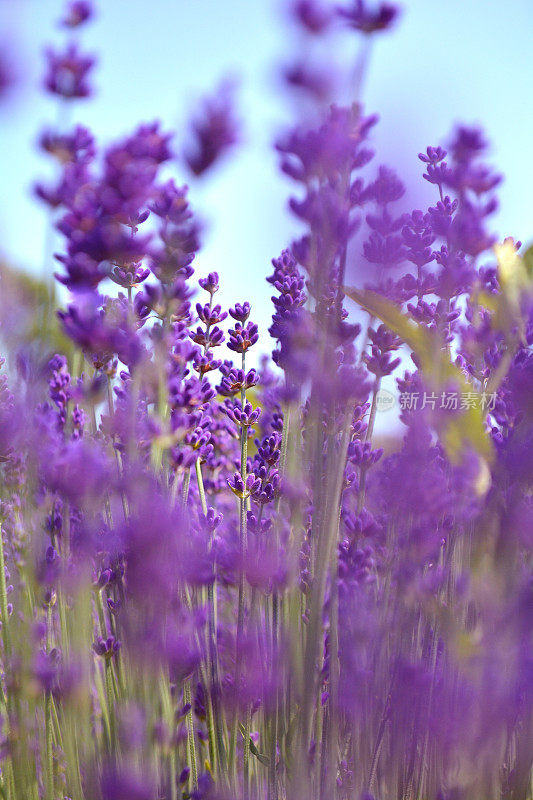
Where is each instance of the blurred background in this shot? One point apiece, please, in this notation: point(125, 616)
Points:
point(465, 60)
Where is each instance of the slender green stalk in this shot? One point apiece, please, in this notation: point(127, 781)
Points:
point(3, 601)
point(110, 702)
point(214, 716)
point(49, 760)
point(325, 543)
point(191, 744)
point(243, 546)
point(368, 438)
point(49, 752)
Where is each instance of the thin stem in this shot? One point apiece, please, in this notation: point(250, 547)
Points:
point(191, 745)
point(368, 438)
point(49, 771)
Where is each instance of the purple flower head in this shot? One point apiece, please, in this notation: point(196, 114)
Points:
point(171, 204)
point(67, 73)
point(78, 12)
point(467, 143)
point(367, 20)
point(387, 188)
point(328, 150)
point(383, 343)
point(73, 147)
point(441, 215)
point(79, 471)
point(149, 143)
point(210, 284)
point(433, 155)
point(102, 330)
point(269, 449)
point(318, 82)
point(418, 237)
point(214, 132)
point(240, 313)
point(235, 380)
point(214, 337)
point(244, 489)
point(106, 648)
point(210, 315)
point(242, 337)
point(8, 77)
point(204, 362)
point(385, 251)
point(314, 16)
point(243, 416)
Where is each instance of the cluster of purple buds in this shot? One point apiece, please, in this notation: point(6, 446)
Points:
point(240, 312)
point(211, 337)
point(437, 170)
point(270, 485)
point(78, 12)
point(210, 284)
point(269, 450)
point(107, 648)
point(368, 20)
point(68, 73)
point(242, 337)
point(236, 380)
point(418, 236)
point(244, 489)
point(361, 454)
point(204, 362)
point(210, 315)
point(59, 385)
point(200, 439)
point(243, 416)
point(179, 234)
point(384, 342)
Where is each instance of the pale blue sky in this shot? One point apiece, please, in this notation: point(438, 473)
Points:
point(457, 60)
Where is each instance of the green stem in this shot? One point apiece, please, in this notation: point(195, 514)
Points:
point(110, 702)
point(49, 772)
point(48, 722)
point(191, 745)
point(368, 438)
point(214, 718)
point(3, 601)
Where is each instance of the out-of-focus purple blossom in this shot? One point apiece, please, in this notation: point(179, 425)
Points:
point(214, 132)
point(313, 15)
point(318, 82)
point(126, 783)
point(369, 20)
point(68, 73)
point(69, 147)
point(77, 13)
point(107, 648)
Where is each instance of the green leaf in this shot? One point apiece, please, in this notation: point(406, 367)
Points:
point(528, 261)
point(253, 749)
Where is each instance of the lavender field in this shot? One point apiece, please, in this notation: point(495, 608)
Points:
point(289, 561)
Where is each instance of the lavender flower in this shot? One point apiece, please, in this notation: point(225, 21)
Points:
point(68, 73)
